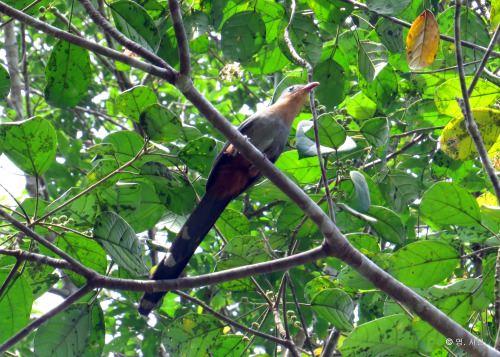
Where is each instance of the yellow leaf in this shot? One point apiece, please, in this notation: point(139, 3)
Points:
point(487, 199)
point(456, 141)
point(422, 42)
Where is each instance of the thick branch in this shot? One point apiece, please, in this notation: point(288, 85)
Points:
point(168, 74)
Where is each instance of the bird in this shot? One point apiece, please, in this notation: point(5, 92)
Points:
point(231, 175)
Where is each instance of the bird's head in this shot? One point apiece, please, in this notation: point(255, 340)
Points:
point(297, 92)
point(291, 101)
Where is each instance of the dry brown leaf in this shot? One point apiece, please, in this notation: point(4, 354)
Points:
point(422, 42)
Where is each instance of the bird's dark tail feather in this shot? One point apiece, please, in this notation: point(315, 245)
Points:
point(189, 238)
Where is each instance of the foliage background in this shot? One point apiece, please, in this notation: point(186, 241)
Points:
point(408, 192)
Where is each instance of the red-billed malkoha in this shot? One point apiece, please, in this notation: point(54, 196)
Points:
point(231, 175)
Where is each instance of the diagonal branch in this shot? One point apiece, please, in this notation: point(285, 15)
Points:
point(168, 74)
point(180, 35)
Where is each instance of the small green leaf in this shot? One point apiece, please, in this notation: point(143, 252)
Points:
point(423, 264)
point(192, 334)
point(360, 106)
point(160, 124)
point(331, 133)
point(391, 35)
point(334, 11)
point(134, 22)
point(332, 76)
point(133, 101)
point(120, 242)
point(387, 7)
point(389, 225)
point(127, 144)
point(376, 131)
point(336, 307)
point(83, 211)
point(372, 58)
point(382, 89)
point(199, 154)
point(450, 203)
point(399, 188)
point(361, 195)
point(4, 83)
point(305, 146)
point(30, 144)
point(305, 170)
point(196, 24)
point(68, 74)
point(232, 223)
point(269, 59)
point(243, 35)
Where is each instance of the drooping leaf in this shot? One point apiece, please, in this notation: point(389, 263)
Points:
point(160, 124)
point(331, 133)
point(199, 154)
point(4, 83)
point(336, 307)
point(68, 75)
point(422, 42)
point(372, 58)
point(120, 242)
point(133, 101)
point(243, 35)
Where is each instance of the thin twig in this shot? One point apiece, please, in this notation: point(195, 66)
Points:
point(180, 35)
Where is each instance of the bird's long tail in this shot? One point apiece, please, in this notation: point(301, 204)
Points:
point(189, 238)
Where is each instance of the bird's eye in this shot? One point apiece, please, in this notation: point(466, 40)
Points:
point(291, 89)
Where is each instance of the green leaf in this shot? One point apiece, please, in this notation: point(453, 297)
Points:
point(30, 206)
point(485, 94)
point(138, 204)
point(305, 170)
point(336, 307)
point(30, 144)
point(364, 241)
point(399, 188)
point(450, 203)
point(303, 34)
point(196, 24)
point(377, 337)
point(332, 76)
point(199, 154)
point(391, 35)
point(103, 168)
point(268, 60)
point(331, 133)
point(318, 284)
point(120, 242)
point(160, 124)
point(127, 144)
point(232, 223)
point(83, 211)
point(305, 146)
point(133, 101)
point(4, 83)
point(360, 106)
point(387, 7)
point(134, 22)
point(389, 225)
point(68, 74)
point(334, 11)
point(372, 58)
point(424, 114)
point(376, 131)
point(86, 251)
point(383, 89)
point(15, 305)
point(78, 331)
point(423, 264)
point(192, 334)
point(243, 35)
point(361, 195)
point(228, 346)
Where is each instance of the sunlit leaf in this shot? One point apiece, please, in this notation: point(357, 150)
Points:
point(422, 42)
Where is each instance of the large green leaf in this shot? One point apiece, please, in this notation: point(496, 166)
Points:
point(389, 225)
point(68, 74)
point(243, 35)
point(4, 83)
point(423, 264)
point(79, 331)
point(15, 305)
point(372, 58)
point(331, 134)
point(30, 144)
point(391, 334)
point(450, 203)
point(192, 334)
point(160, 124)
point(199, 154)
point(120, 242)
point(336, 307)
point(332, 76)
